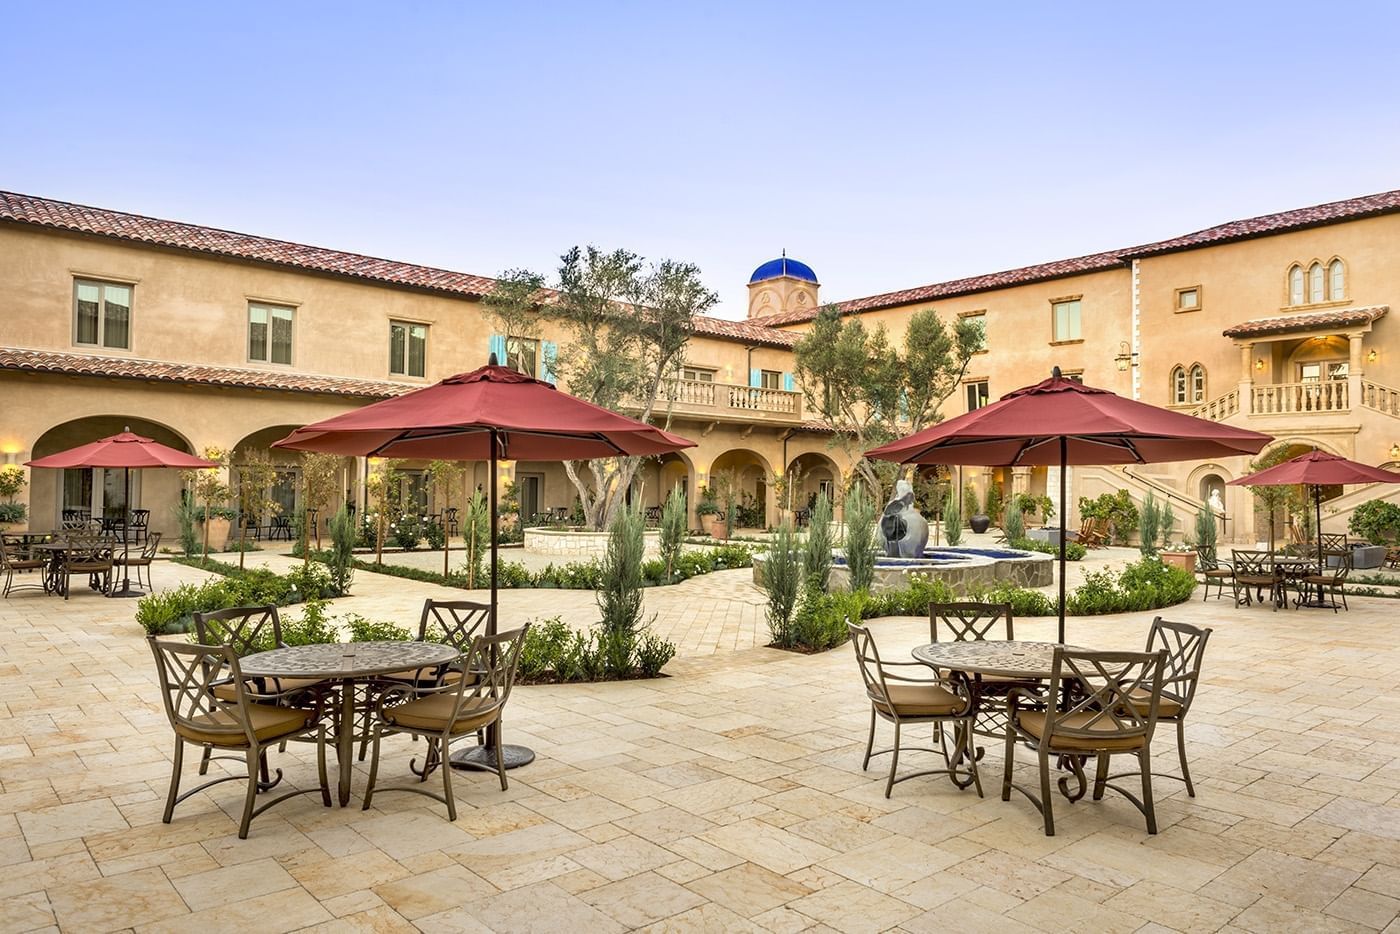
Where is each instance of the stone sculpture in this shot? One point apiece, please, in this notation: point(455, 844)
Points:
point(905, 531)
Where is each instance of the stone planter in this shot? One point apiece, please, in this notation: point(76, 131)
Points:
point(218, 532)
point(1186, 560)
point(980, 524)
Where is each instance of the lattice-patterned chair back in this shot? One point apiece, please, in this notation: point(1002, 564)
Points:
point(245, 629)
point(1334, 541)
point(1253, 563)
point(1185, 646)
point(188, 674)
point(971, 622)
point(1112, 697)
point(453, 622)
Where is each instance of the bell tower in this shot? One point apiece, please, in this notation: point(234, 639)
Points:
point(782, 285)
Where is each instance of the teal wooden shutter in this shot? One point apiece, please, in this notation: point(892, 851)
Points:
point(903, 406)
point(548, 351)
point(497, 346)
point(755, 378)
point(788, 383)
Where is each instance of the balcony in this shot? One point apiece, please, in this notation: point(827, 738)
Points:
point(1329, 395)
point(729, 402)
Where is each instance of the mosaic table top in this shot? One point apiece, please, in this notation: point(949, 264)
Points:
point(345, 659)
point(1013, 659)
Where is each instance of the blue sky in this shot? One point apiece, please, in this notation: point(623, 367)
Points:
point(888, 145)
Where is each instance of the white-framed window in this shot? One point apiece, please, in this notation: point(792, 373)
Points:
point(1179, 385)
point(697, 374)
point(1295, 284)
point(408, 348)
point(1198, 383)
point(101, 314)
point(269, 333)
point(1315, 372)
point(1188, 299)
point(978, 394)
point(1188, 384)
point(523, 355)
point(1066, 319)
point(1316, 284)
point(978, 318)
point(1336, 281)
point(770, 379)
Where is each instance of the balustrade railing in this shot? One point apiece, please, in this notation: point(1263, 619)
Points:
point(1220, 408)
point(706, 397)
point(1328, 395)
point(1381, 398)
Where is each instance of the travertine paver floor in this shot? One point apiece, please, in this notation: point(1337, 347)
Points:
point(725, 797)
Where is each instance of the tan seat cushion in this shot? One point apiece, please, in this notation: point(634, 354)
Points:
point(431, 712)
point(1033, 722)
point(1218, 572)
point(920, 700)
point(268, 723)
point(227, 692)
point(1253, 580)
point(1166, 707)
point(429, 675)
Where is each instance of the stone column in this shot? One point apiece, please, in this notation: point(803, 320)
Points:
point(1356, 367)
point(1246, 379)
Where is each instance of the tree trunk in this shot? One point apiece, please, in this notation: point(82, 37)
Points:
point(206, 531)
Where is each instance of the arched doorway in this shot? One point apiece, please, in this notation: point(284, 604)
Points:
point(285, 486)
point(751, 475)
point(100, 492)
point(808, 476)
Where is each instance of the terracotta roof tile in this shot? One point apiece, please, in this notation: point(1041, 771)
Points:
point(63, 215)
point(744, 331)
point(1307, 321)
point(1386, 202)
point(74, 364)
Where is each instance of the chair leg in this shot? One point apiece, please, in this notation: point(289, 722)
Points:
point(1008, 762)
point(447, 795)
point(321, 766)
point(970, 750)
point(174, 779)
point(204, 760)
point(1101, 776)
point(1181, 754)
point(264, 773)
point(894, 760)
point(500, 759)
point(1145, 764)
point(870, 742)
point(1046, 807)
point(373, 771)
point(253, 756)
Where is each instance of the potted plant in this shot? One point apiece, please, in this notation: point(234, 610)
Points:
point(708, 512)
point(12, 481)
point(212, 492)
point(976, 518)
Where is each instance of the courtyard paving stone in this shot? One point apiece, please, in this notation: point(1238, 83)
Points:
point(727, 796)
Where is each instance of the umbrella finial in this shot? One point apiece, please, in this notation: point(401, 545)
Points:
point(492, 361)
point(1055, 373)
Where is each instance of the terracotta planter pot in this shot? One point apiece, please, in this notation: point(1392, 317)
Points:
point(1186, 560)
point(218, 533)
point(715, 524)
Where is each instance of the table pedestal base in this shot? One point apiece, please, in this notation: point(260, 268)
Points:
point(484, 757)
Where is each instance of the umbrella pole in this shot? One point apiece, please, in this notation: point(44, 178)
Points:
point(126, 590)
point(1064, 457)
point(483, 758)
point(1317, 529)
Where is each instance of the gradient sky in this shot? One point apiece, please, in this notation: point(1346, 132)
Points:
point(888, 145)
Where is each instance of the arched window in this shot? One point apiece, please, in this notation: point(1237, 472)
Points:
point(1315, 284)
point(1336, 281)
point(1198, 383)
point(1179, 386)
point(1295, 285)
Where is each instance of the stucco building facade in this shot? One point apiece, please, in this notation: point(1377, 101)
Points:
point(202, 337)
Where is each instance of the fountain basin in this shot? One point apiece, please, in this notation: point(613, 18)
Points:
point(962, 569)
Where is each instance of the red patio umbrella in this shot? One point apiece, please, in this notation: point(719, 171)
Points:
point(1061, 421)
point(130, 452)
point(1317, 469)
point(492, 413)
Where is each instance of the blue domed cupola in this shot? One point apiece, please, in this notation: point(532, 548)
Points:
point(783, 266)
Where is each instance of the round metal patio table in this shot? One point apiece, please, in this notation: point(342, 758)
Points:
point(348, 663)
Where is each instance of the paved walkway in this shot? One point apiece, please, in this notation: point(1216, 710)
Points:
point(727, 797)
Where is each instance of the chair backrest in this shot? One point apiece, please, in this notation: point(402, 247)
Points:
point(87, 549)
point(1334, 541)
point(1295, 534)
point(1206, 559)
point(1108, 689)
point(452, 622)
point(451, 513)
point(244, 629)
point(1343, 558)
point(494, 659)
point(1252, 563)
point(140, 518)
point(188, 673)
point(148, 551)
point(971, 622)
point(1185, 646)
point(872, 673)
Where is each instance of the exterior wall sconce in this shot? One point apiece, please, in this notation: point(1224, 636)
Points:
point(1395, 452)
point(1259, 364)
point(1126, 357)
point(1371, 357)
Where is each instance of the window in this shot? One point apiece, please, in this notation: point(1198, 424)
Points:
point(1066, 315)
point(269, 333)
point(1315, 284)
point(1188, 385)
point(770, 379)
point(1312, 372)
point(697, 374)
point(1179, 386)
point(1198, 383)
point(1295, 285)
point(978, 318)
point(1188, 299)
point(978, 395)
point(408, 348)
point(101, 314)
point(1336, 281)
point(523, 355)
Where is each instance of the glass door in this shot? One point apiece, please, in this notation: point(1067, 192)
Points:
point(531, 485)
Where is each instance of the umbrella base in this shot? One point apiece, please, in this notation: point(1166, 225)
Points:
point(127, 592)
point(484, 757)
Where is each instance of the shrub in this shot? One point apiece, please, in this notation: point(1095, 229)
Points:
point(995, 505)
point(1168, 519)
point(312, 627)
point(1376, 520)
point(1014, 524)
point(969, 503)
point(860, 538)
point(187, 514)
point(433, 532)
point(673, 530)
point(620, 592)
point(374, 630)
point(342, 558)
point(512, 574)
point(1023, 601)
point(1149, 522)
point(820, 620)
point(952, 520)
point(312, 582)
point(407, 532)
point(1147, 584)
point(912, 600)
point(653, 653)
point(816, 558)
point(545, 644)
point(1206, 534)
point(1117, 507)
point(782, 579)
point(1074, 551)
point(12, 512)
